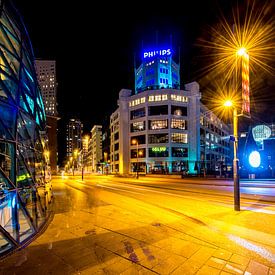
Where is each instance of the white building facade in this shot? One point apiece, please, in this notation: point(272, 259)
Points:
point(157, 129)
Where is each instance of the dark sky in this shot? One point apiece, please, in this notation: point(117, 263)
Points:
point(94, 46)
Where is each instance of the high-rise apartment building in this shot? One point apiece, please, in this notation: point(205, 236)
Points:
point(73, 136)
point(46, 75)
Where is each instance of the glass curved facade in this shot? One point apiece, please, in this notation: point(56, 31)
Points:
point(25, 188)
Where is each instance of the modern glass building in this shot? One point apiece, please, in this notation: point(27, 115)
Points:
point(25, 191)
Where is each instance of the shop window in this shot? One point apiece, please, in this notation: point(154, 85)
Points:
point(156, 152)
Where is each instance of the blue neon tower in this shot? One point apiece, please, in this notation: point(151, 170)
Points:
point(157, 71)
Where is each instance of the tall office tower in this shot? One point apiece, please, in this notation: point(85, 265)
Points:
point(73, 136)
point(46, 76)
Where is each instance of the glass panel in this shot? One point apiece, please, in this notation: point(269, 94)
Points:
point(8, 119)
point(25, 229)
point(41, 206)
point(7, 159)
point(13, 40)
point(5, 246)
point(23, 178)
point(25, 129)
point(10, 26)
point(8, 212)
point(4, 41)
point(29, 157)
point(10, 64)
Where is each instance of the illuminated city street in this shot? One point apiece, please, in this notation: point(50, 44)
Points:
point(150, 150)
point(165, 225)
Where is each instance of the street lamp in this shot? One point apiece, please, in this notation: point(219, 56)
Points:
point(236, 178)
point(135, 141)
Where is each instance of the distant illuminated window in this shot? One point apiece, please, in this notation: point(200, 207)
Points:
point(151, 98)
point(158, 98)
point(164, 97)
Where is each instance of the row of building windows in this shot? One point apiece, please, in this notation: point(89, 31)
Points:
point(158, 111)
point(175, 124)
point(156, 152)
point(163, 80)
point(161, 138)
point(163, 70)
point(157, 98)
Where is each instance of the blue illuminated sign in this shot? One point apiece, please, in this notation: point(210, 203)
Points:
point(254, 159)
point(162, 52)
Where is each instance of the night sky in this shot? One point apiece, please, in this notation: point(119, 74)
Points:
point(94, 47)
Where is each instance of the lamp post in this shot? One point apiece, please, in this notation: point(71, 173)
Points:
point(74, 157)
point(135, 141)
point(236, 176)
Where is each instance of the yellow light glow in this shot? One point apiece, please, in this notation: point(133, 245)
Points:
point(134, 141)
point(228, 103)
point(241, 51)
point(250, 36)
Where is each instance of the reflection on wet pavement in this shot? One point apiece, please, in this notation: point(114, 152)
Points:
point(98, 231)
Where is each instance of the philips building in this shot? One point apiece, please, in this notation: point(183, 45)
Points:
point(25, 191)
point(162, 129)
